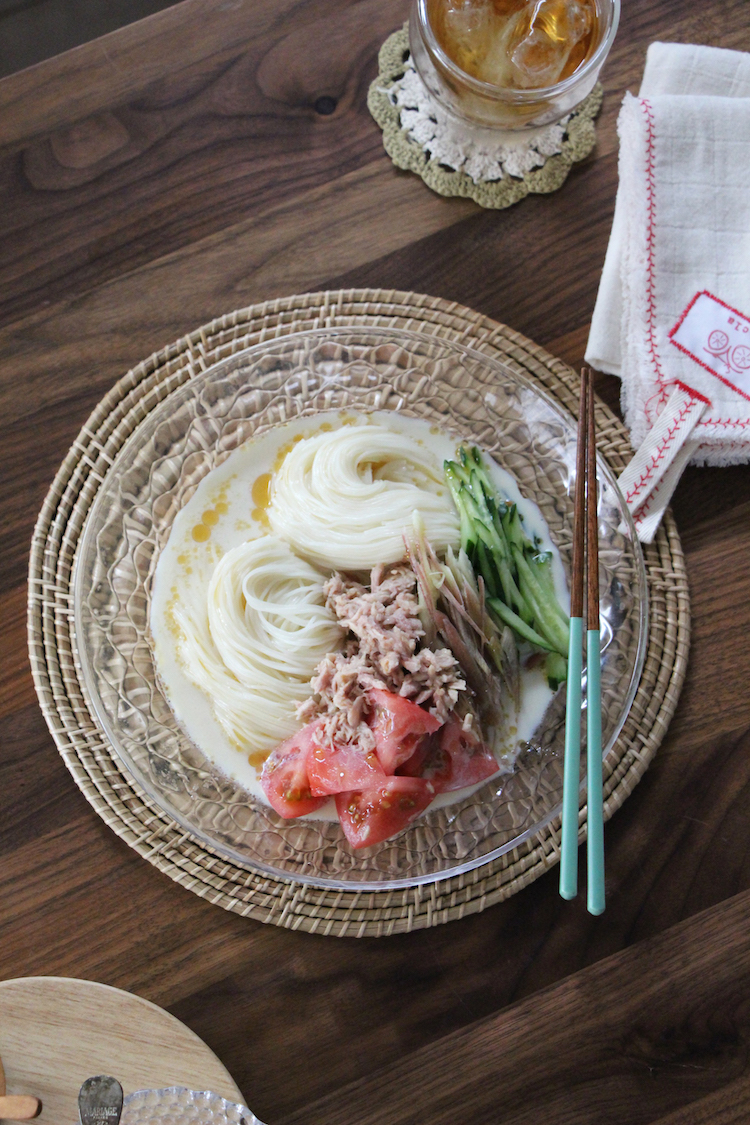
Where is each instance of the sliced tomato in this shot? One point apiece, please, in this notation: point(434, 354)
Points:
point(340, 768)
point(429, 761)
point(284, 777)
point(398, 725)
point(370, 816)
point(471, 761)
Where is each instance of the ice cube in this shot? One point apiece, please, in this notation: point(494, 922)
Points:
point(467, 28)
point(544, 35)
point(496, 67)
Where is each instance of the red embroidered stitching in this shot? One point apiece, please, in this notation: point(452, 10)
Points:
point(644, 508)
point(650, 240)
point(700, 293)
point(692, 392)
point(660, 452)
point(724, 422)
point(650, 268)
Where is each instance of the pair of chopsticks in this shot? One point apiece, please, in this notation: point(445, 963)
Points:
point(585, 567)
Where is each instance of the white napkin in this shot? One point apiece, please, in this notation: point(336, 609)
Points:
point(672, 317)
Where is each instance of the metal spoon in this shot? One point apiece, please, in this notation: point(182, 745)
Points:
point(100, 1101)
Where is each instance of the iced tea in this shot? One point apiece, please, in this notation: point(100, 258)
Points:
point(516, 44)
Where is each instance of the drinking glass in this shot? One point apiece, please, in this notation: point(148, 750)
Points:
point(475, 103)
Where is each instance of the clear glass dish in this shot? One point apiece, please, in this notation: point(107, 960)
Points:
point(176, 1105)
point(156, 472)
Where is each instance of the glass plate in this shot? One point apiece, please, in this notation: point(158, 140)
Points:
point(194, 429)
point(177, 1105)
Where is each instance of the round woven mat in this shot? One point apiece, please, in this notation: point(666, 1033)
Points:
point(546, 168)
point(116, 796)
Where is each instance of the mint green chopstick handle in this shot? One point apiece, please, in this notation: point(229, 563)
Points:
point(572, 765)
point(595, 845)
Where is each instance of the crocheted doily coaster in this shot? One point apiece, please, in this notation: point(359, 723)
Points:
point(420, 137)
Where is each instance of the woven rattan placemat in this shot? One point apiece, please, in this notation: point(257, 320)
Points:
point(117, 797)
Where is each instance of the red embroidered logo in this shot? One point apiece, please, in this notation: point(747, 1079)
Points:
point(718, 338)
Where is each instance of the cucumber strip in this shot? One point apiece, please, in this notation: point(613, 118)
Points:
point(547, 620)
point(510, 618)
point(556, 670)
point(487, 570)
point(514, 599)
point(517, 575)
point(541, 565)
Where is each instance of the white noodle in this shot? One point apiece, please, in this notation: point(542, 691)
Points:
point(344, 499)
point(264, 630)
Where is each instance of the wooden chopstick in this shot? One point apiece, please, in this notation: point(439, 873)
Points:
point(571, 765)
point(595, 834)
point(585, 569)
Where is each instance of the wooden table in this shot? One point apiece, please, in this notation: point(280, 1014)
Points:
point(178, 169)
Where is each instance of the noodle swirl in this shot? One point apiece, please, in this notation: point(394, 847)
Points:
point(344, 499)
point(265, 629)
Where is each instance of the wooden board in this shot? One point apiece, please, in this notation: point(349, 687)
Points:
point(55, 1032)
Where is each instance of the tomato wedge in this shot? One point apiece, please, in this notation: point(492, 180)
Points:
point(429, 761)
point(370, 816)
point(284, 777)
point(398, 725)
point(471, 761)
point(451, 759)
point(341, 768)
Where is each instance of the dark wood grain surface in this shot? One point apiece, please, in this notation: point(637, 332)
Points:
point(32, 30)
point(178, 169)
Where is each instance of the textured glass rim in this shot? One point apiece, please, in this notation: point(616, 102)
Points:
point(520, 97)
point(155, 795)
point(171, 1092)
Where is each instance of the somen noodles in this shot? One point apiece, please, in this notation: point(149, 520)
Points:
point(266, 628)
point(345, 499)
